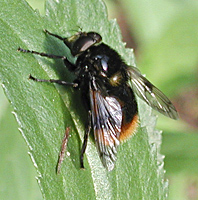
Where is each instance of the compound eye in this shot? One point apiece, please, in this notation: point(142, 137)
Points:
point(81, 45)
point(95, 36)
point(84, 42)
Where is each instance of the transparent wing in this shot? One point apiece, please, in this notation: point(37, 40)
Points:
point(150, 94)
point(107, 120)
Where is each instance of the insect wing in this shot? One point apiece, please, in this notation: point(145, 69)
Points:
point(150, 94)
point(107, 121)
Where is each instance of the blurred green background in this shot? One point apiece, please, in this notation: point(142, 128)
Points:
point(164, 36)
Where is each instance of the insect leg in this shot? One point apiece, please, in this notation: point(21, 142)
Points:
point(63, 149)
point(87, 132)
point(67, 63)
point(41, 54)
point(57, 36)
point(60, 82)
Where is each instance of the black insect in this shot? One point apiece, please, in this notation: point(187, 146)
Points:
point(107, 85)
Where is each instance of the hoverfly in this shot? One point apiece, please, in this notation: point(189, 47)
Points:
point(108, 87)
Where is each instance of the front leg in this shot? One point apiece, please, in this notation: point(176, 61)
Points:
point(55, 35)
point(67, 63)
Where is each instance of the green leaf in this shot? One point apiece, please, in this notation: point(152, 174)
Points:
point(43, 111)
point(16, 170)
